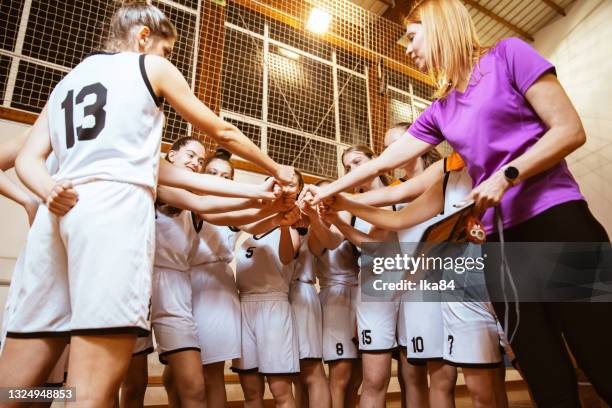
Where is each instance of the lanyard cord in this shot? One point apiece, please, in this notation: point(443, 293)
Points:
point(505, 270)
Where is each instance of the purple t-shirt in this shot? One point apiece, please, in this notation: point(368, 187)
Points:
point(492, 123)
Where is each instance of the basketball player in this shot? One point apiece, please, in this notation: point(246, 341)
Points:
point(464, 323)
point(269, 339)
point(337, 271)
point(172, 314)
point(208, 302)
point(104, 128)
point(304, 299)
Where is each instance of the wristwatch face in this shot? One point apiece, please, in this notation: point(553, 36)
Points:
point(511, 173)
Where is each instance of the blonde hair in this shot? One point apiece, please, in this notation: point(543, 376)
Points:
point(453, 47)
point(134, 14)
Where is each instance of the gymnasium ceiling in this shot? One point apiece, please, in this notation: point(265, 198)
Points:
point(494, 19)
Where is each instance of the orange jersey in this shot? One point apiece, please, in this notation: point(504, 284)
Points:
point(453, 162)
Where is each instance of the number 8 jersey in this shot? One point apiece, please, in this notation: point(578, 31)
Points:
point(105, 121)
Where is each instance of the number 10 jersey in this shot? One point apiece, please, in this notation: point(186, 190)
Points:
point(105, 121)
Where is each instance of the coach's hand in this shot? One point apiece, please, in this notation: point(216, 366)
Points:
point(62, 198)
point(489, 193)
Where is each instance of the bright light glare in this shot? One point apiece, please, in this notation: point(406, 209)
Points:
point(319, 21)
point(421, 105)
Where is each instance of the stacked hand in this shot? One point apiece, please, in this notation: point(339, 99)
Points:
point(290, 217)
point(282, 203)
point(285, 175)
point(313, 195)
point(270, 189)
point(62, 198)
point(307, 209)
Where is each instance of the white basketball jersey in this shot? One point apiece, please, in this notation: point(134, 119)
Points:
point(414, 234)
point(365, 227)
point(52, 164)
point(304, 264)
point(338, 266)
point(361, 225)
point(258, 266)
point(105, 121)
point(214, 243)
point(457, 186)
point(175, 238)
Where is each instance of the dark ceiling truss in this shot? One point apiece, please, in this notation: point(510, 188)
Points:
point(498, 19)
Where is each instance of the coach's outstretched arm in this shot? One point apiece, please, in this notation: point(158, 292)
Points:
point(405, 191)
point(425, 207)
point(393, 157)
point(169, 83)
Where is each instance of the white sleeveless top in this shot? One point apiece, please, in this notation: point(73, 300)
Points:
point(259, 269)
point(214, 243)
point(105, 121)
point(304, 264)
point(338, 266)
point(174, 240)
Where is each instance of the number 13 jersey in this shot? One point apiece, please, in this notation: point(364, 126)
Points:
point(105, 121)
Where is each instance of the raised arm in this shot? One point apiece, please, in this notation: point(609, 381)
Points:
point(403, 192)
point(423, 208)
point(239, 217)
point(289, 240)
point(351, 233)
point(322, 233)
point(250, 215)
point(169, 83)
point(174, 176)
point(264, 225)
point(187, 200)
point(394, 156)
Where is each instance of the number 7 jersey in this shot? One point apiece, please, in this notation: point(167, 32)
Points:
point(105, 121)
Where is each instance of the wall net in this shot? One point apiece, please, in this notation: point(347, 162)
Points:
point(302, 97)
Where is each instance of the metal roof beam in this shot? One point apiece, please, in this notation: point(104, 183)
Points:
point(554, 6)
point(499, 19)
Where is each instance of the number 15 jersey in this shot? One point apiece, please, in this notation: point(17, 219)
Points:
point(106, 122)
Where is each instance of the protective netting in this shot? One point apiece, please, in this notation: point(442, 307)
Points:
point(302, 97)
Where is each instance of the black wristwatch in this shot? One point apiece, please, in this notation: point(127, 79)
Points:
point(511, 173)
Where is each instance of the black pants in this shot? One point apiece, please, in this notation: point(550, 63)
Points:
point(586, 327)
